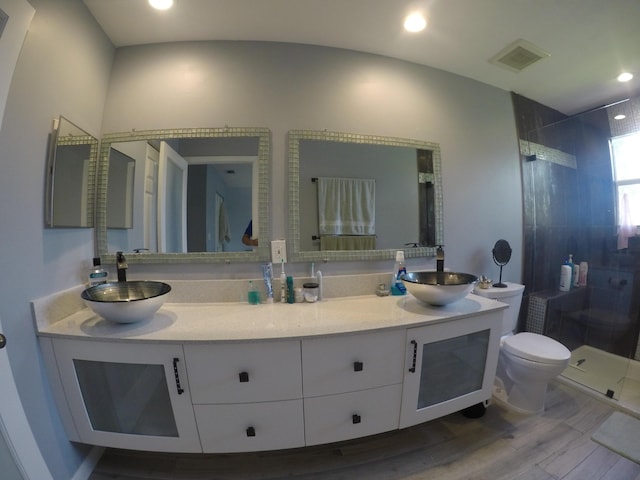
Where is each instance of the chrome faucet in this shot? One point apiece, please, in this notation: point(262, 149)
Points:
point(122, 266)
point(440, 259)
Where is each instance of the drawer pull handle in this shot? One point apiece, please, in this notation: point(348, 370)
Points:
point(358, 366)
point(355, 418)
point(251, 432)
point(177, 375)
point(244, 377)
point(415, 355)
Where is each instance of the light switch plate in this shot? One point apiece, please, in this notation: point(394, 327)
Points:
point(278, 251)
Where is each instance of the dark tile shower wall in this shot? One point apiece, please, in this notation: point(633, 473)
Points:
point(566, 210)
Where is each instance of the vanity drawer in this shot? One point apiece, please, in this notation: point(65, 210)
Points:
point(351, 415)
point(250, 427)
point(244, 372)
point(352, 362)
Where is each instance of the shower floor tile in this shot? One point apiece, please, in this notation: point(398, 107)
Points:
point(598, 370)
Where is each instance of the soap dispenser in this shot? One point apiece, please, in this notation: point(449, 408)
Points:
point(399, 269)
point(440, 259)
point(98, 275)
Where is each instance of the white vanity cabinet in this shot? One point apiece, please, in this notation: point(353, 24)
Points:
point(269, 377)
point(449, 367)
point(247, 396)
point(352, 385)
point(127, 395)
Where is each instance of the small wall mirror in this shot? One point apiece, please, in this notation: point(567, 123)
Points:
point(70, 176)
point(185, 195)
point(395, 192)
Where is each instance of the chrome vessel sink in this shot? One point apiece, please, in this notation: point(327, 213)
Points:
point(439, 288)
point(126, 302)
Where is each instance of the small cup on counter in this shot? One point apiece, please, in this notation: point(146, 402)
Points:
point(310, 292)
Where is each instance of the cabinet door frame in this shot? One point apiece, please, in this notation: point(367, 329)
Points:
point(67, 351)
point(410, 414)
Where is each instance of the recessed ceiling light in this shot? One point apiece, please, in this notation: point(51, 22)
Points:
point(415, 22)
point(161, 4)
point(620, 117)
point(625, 77)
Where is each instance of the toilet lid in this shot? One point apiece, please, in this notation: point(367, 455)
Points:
point(536, 348)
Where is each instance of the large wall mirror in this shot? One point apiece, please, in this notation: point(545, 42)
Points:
point(70, 176)
point(184, 195)
point(363, 197)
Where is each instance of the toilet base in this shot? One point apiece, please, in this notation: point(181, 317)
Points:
point(519, 400)
point(528, 398)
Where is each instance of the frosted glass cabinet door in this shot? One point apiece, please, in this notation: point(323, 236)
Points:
point(128, 395)
point(450, 366)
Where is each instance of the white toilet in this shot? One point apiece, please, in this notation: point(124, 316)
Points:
point(527, 361)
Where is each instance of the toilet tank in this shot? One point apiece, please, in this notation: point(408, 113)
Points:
point(512, 296)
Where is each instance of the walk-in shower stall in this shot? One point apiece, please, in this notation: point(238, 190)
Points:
point(581, 183)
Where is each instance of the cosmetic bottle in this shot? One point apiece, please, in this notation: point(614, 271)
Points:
point(565, 278)
point(573, 271)
point(584, 268)
point(267, 276)
point(575, 281)
point(253, 296)
point(98, 275)
point(283, 284)
point(291, 294)
point(399, 269)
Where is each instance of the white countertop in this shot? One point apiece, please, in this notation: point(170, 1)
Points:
point(224, 322)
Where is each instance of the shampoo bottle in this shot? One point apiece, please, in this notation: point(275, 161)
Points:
point(582, 279)
point(569, 262)
point(98, 275)
point(565, 278)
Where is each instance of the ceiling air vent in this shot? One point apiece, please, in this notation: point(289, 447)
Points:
point(518, 55)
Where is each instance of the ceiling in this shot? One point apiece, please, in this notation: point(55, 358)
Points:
point(589, 41)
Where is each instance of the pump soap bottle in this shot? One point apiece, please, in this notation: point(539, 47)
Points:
point(98, 275)
point(397, 287)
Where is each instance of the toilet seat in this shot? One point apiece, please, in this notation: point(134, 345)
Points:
point(536, 348)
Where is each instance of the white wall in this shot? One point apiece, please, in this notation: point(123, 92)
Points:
point(284, 87)
point(63, 69)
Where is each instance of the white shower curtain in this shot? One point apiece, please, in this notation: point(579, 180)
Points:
point(346, 206)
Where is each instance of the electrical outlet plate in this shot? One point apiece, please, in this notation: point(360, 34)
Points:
point(278, 251)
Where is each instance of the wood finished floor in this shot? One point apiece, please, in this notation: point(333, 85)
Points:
point(500, 445)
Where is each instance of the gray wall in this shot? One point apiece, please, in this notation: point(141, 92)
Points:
point(63, 69)
point(285, 86)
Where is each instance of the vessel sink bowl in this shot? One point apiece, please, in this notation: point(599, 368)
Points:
point(126, 302)
point(439, 288)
